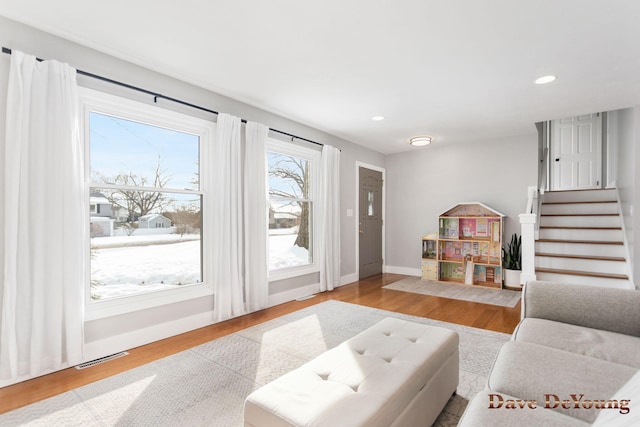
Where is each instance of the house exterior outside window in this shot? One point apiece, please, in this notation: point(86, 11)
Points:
point(145, 201)
point(292, 179)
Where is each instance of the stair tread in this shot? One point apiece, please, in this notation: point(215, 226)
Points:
point(581, 214)
point(579, 190)
point(593, 257)
point(580, 228)
point(582, 273)
point(588, 242)
point(579, 202)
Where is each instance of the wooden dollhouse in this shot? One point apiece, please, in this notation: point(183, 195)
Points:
point(468, 248)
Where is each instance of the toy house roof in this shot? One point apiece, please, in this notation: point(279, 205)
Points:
point(472, 209)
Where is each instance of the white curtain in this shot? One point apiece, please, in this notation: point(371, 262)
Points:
point(239, 219)
point(44, 221)
point(329, 227)
point(255, 216)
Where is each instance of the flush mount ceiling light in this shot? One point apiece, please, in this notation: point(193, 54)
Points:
point(377, 118)
point(545, 79)
point(420, 141)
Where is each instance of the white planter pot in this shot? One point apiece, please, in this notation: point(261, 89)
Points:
point(512, 278)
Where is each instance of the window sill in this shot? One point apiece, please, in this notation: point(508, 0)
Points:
point(113, 307)
point(288, 273)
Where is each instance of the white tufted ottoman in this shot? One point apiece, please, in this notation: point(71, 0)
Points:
point(396, 373)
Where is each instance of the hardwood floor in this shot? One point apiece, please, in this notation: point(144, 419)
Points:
point(368, 292)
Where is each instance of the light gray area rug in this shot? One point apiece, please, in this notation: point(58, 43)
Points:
point(207, 385)
point(501, 297)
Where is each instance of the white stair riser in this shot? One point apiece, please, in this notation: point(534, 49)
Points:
point(580, 221)
point(594, 266)
point(580, 196)
point(580, 249)
point(572, 209)
point(580, 234)
point(585, 280)
point(579, 208)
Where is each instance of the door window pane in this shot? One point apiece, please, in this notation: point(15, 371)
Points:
point(370, 201)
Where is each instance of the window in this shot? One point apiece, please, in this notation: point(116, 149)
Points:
point(292, 181)
point(145, 203)
point(370, 203)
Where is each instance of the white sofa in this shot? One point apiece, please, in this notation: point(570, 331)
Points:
point(574, 343)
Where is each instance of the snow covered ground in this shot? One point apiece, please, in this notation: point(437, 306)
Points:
point(117, 241)
point(129, 265)
point(127, 270)
point(283, 253)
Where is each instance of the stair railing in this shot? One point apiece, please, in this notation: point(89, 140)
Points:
point(530, 222)
point(528, 235)
point(625, 241)
point(542, 185)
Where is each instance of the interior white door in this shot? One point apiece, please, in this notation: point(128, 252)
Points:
point(576, 153)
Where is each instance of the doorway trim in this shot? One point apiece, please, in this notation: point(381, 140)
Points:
point(357, 214)
point(600, 162)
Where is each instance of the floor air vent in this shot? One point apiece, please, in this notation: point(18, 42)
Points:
point(101, 360)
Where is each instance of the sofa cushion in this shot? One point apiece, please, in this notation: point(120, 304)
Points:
point(534, 372)
point(478, 414)
point(609, 309)
point(609, 346)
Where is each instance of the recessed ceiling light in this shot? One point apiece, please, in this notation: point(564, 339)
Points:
point(377, 118)
point(545, 79)
point(420, 141)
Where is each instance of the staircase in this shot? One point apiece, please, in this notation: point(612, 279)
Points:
point(581, 239)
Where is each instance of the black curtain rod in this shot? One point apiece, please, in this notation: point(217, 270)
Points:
point(157, 96)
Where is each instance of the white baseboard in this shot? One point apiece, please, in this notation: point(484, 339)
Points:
point(138, 337)
point(349, 278)
point(403, 270)
point(304, 291)
point(290, 295)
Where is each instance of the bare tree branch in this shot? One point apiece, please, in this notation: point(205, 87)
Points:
point(295, 172)
point(138, 203)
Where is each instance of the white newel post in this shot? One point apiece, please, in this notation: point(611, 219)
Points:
point(527, 231)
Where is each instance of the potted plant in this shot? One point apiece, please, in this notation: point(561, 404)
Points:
point(512, 262)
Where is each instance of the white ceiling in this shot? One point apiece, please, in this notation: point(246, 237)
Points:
point(459, 70)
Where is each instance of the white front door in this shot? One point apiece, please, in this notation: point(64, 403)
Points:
point(576, 153)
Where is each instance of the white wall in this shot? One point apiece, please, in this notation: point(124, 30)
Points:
point(104, 336)
point(635, 255)
point(425, 182)
point(624, 136)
